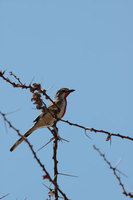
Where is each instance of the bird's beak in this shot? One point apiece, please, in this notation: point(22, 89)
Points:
point(71, 91)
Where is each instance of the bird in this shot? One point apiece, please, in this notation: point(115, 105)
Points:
point(55, 110)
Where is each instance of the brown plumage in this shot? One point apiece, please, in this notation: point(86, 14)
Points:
point(46, 118)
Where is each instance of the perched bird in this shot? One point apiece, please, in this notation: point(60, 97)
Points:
point(47, 117)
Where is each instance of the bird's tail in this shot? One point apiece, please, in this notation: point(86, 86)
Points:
point(22, 138)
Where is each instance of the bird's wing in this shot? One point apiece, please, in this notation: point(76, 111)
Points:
point(37, 119)
point(53, 109)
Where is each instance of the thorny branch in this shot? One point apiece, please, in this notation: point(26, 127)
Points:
point(97, 130)
point(37, 91)
point(41, 105)
point(114, 169)
point(35, 156)
point(55, 146)
point(34, 87)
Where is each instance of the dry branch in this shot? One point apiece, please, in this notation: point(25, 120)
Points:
point(35, 156)
point(41, 105)
point(55, 146)
point(98, 131)
point(37, 92)
point(114, 169)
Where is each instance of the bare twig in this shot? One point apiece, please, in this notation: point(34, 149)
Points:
point(34, 87)
point(2, 197)
point(18, 79)
point(37, 91)
point(35, 156)
point(97, 130)
point(55, 146)
point(41, 105)
point(115, 173)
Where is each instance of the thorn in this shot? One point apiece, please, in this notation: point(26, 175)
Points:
point(62, 139)
point(45, 144)
point(4, 196)
point(118, 163)
point(12, 111)
point(121, 173)
point(67, 175)
point(32, 80)
point(87, 135)
point(49, 88)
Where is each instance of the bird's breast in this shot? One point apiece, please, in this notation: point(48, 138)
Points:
point(62, 109)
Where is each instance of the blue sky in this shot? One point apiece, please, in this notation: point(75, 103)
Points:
point(84, 45)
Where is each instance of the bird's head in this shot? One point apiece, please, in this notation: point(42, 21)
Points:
point(63, 92)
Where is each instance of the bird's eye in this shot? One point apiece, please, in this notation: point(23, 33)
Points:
point(64, 91)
